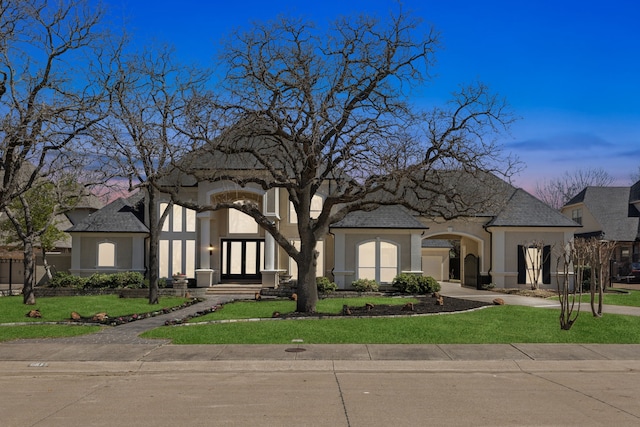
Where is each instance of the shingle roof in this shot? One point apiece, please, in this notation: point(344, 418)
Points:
point(395, 217)
point(612, 209)
point(436, 243)
point(119, 216)
point(634, 195)
point(524, 210)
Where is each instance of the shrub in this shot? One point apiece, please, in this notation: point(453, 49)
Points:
point(365, 285)
point(128, 280)
point(124, 280)
point(414, 284)
point(96, 281)
point(325, 286)
point(66, 280)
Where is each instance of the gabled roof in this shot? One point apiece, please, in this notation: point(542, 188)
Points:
point(524, 210)
point(119, 216)
point(613, 210)
point(394, 217)
point(634, 196)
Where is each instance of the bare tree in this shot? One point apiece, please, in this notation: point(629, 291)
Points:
point(602, 252)
point(308, 108)
point(557, 192)
point(535, 257)
point(140, 136)
point(45, 103)
point(568, 266)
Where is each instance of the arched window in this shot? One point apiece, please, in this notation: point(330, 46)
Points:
point(378, 260)
point(241, 223)
point(106, 254)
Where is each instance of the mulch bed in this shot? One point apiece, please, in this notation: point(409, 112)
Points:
point(425, 305)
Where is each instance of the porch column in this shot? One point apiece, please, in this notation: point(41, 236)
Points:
point(416, 252)
point(269, 252)
point(204, 220)
point(76, 250)
point(137, 255)
point(498, 258)
point(339, 270)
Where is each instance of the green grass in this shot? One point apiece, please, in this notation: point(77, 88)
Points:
point(500, 324)
point(265, 308)
point(57, 309)
point(44, 331)
point(632, 299)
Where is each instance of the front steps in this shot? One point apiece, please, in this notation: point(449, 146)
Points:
point(234, 289)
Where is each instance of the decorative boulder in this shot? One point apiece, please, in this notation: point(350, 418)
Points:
point(498, 301)
point(407, 307)
point(34, 314)
point(100, 317)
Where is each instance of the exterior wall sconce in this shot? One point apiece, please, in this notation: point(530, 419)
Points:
point(210, 248)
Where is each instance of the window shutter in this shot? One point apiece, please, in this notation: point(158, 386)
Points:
point(522, 266)
point(546, 265)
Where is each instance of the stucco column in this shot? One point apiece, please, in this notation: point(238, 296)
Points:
point(137, 254)
point(339, 272)
point(204, 222)
point(76, 250)
point(269, 252)
point(416, 252)
point(498, 257)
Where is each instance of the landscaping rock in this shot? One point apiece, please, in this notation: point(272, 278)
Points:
point(498, 301)
point(407, 307)
point(100, 317)
point(34, 314)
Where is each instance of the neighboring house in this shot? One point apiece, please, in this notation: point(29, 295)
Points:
point(111, 239)
point(613, 214)
point(59, 259)
point(227, 246)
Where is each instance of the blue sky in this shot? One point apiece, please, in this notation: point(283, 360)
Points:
point(570, 69)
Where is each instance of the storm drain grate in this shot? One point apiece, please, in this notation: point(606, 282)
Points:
point(295, 350)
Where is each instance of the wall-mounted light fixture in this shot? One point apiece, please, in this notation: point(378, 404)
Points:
point(210, 249)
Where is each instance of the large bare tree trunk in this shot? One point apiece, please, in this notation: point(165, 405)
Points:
point(28, 294)
point(307, 288)
point(153, 247)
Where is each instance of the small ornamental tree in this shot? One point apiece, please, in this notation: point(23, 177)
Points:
point(536, 254)
point(31, 220)
point(567, 263)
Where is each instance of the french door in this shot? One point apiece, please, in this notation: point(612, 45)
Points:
point(242, 260)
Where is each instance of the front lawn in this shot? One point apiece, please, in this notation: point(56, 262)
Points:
point(58, 309)
point(493, 325)
point(631, 299)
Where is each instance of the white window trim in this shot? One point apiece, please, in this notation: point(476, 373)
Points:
point(377, 267)
point(115, 254)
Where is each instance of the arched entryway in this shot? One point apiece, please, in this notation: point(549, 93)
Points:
point(445, 257)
